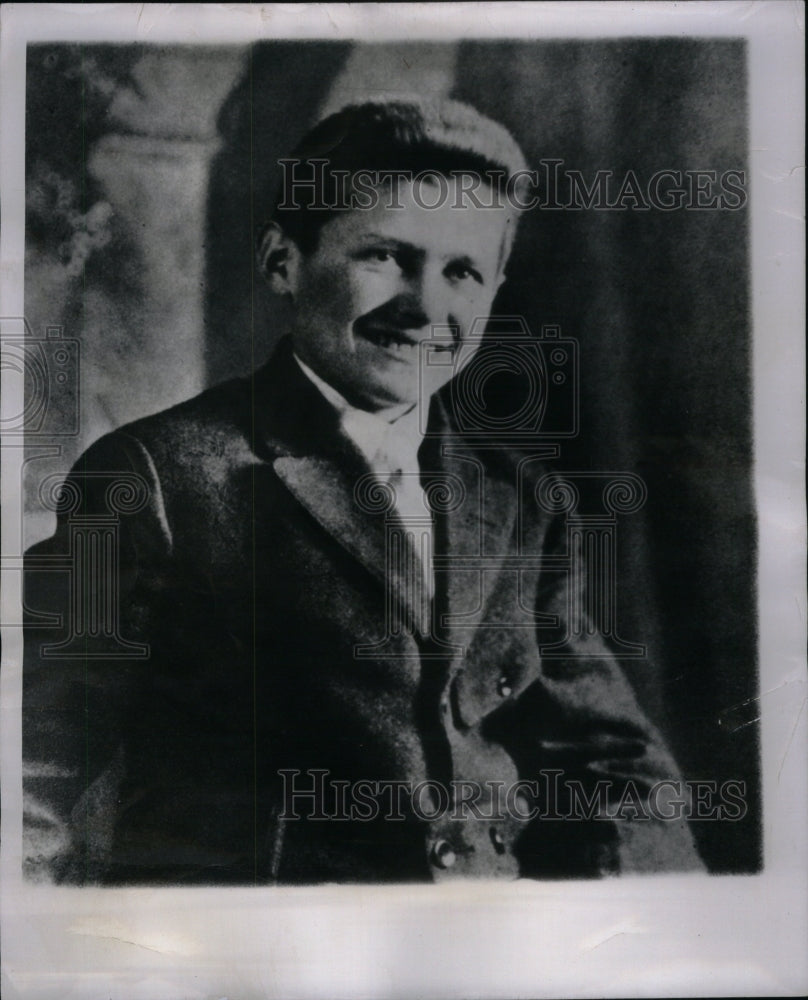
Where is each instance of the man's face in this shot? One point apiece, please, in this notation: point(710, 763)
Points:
point(378, 282)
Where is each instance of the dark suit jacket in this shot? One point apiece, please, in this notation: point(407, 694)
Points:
point(262, 586)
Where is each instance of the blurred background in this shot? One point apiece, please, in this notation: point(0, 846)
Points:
point(151, 169)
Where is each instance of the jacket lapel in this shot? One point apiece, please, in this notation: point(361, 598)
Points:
point(474, 540)
point(299, 433)
point(333, 495)
point(327, 492)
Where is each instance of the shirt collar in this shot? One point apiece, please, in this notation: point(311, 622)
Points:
point(379, 436)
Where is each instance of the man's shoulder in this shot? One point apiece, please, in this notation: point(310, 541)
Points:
point(204, 436)
point(229, 421)
point(222, 411)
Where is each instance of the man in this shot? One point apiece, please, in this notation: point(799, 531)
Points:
point(324, 659)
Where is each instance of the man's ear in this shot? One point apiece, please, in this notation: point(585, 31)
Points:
point(279, 260)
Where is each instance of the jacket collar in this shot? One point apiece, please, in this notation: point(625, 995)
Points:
point(291, 416)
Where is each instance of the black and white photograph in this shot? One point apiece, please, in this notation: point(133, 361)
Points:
point(402, 509)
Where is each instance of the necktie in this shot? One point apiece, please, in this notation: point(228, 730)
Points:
point(391, 450)
point(410, 541)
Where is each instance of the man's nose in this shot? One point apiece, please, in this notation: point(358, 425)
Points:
point(422, 302)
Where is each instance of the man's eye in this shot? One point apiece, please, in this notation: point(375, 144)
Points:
point(379, 256)
point(463, 272)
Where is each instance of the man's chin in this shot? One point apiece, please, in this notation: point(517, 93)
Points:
point(382, 387)
point(386, 396)
point(383, 393)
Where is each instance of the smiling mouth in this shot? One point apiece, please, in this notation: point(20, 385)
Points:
point(398, 342)
point(391, 340)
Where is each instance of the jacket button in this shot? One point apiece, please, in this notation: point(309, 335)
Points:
point(504, 688)
point(442, 854)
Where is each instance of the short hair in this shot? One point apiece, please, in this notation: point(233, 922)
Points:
point(406, 136)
